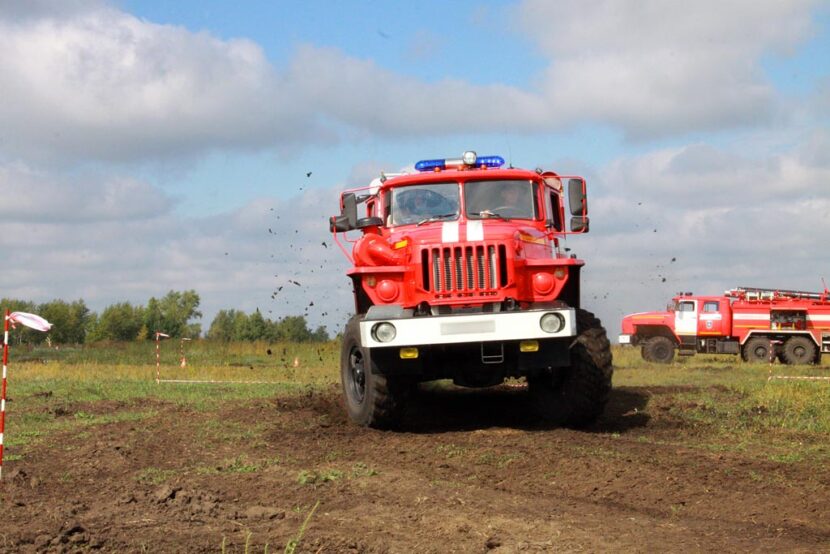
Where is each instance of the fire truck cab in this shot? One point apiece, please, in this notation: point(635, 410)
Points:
point(459, 274)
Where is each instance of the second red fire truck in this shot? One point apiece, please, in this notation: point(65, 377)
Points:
point(759, 324)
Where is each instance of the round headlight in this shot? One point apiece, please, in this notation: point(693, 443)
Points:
point(469, 157)
point(552, 323)
point(384, 332)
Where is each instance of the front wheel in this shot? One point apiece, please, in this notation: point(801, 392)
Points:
point(372, 399)
point(658, 349)
point(576, 396)
point(756, 350)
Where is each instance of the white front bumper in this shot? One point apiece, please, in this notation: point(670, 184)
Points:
point(457, 329)
point(625, 339)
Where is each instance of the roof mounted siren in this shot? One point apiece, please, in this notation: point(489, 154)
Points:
point(468, 159)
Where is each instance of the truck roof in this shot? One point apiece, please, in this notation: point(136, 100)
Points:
point(459, 175)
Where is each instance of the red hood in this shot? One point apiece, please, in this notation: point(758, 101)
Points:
point(631, 321)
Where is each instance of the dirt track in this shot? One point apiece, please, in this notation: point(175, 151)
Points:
point(470, 473)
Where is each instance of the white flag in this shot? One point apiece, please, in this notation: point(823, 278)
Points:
point(30, 320)
point(159, 334)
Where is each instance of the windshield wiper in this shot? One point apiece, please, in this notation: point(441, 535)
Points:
point(436, 218)
point(488, 213)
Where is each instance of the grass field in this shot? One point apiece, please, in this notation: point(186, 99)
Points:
point(672, 436)
point(735, 401)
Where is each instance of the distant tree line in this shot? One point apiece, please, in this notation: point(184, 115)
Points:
point(233, 325)
point(74, 323)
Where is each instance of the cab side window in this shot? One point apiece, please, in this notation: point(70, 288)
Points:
point(552, 209)
point(710, 307)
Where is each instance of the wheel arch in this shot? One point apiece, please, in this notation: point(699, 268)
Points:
point(777, 335)
point(645, 332)
point(362, 302)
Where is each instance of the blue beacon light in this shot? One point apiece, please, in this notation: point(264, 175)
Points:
point(490, 161)
point(432, 165)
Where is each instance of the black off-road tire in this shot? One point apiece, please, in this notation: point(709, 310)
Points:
point(756, 350)
point(576, 396)
point(799, 350)
point(371, 399)
point(659, 350)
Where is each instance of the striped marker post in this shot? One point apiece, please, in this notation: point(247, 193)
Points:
point(182, 359)
point(29, 320)
point(3, 397)
point(159, 334)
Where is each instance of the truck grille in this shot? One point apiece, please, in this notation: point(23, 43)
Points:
point(464, 270)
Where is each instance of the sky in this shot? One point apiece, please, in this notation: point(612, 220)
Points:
point(149, 146)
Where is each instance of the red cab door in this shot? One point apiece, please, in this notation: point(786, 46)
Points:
point(710, 318)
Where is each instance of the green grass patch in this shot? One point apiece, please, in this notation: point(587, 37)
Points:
point(451, 450)
point(154, 475)
point(317, 477)
point(198, 353)
point(497, 460)
point(735, 404)
point(320, 476)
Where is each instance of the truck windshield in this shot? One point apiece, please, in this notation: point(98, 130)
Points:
point(499, 199)
point(424, 203)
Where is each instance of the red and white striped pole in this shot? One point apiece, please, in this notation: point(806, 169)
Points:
point(158, 362)
point(3, 397)
point(29, 320)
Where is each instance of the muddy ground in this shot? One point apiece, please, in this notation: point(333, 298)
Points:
point(471, 472)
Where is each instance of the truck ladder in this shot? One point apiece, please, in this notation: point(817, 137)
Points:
point(754, 293)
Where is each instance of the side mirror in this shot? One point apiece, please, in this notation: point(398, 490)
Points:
point(347, 220)
point(579, 224)
point(350, 208)
point(577, 197)
point(339, 224)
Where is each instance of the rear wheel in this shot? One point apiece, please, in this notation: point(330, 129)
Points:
point(576, 396)
point(799, 350)
point(756, 350)
point(372, 399)
point(658, 349)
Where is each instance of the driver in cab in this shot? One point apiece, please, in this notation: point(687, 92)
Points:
point(507, 201)
point(416, 206)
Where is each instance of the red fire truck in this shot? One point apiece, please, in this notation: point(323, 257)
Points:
point(458, 273)
point(759, 324)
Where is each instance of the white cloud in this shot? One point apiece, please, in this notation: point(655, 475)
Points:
point(365, 96)
point(87, 81)
point(662, 67)
point(103, 84)
point(34, 196)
